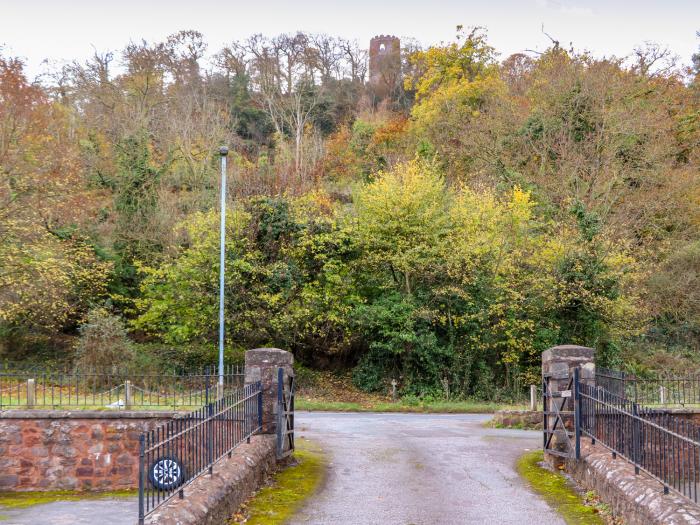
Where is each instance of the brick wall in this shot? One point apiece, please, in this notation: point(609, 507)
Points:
point(82, 450)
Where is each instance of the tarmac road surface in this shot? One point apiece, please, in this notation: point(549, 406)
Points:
point(384, 469)
point(420, 469)
point(107, 511)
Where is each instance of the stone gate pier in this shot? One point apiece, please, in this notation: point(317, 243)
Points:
point(558, 364)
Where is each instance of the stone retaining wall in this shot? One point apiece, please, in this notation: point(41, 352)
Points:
point(688, 415)
point(99, 450)
point(212, 500)
point(524, 419)
point(64, 450)
point(638, 499)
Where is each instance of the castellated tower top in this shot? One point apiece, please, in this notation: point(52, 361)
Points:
point(384, 44)
point(384, 64)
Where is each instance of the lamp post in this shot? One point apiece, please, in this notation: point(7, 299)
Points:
point(223, 151)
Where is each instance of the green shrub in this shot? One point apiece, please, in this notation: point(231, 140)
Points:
point(103, 342)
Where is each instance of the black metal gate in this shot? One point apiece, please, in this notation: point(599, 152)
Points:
point(561, 415)
point(285, 415)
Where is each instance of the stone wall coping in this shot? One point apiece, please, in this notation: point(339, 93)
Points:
point(276, 356)
point(90, 414)
point(570, 347)
point(567, 351)
point(268, 349)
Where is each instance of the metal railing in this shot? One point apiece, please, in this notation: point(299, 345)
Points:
point(113, 388)
point(176, 453)
point(658, 391)
point(657, 443)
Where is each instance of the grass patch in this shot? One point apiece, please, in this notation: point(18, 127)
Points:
point(446, 407)
point(275, 504)
point(301, 403)
point(557, 491)
point(21, 500)
point(434, 407)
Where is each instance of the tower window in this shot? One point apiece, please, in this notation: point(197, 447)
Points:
point(382, 47)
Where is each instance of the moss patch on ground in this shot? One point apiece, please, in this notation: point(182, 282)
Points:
point(557, 492)
point(290, 487)
point(19, 500)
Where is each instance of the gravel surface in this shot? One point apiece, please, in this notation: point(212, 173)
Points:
point(117, 511)
point(420, 469)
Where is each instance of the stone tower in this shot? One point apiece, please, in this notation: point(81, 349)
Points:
point(384, 65)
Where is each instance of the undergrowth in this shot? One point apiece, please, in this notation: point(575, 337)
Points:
point(328, 391)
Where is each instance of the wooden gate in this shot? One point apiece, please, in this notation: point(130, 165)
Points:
point(285, 415)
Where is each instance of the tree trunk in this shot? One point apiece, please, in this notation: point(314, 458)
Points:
point(299, 135)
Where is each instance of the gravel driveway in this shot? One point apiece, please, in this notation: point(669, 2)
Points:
point(420, 469)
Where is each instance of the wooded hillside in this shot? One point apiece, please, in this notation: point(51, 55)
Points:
point(445, 235)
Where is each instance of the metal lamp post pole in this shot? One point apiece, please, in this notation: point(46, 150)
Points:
point(223, 151)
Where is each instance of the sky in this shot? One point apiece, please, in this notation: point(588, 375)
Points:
point(67, 30)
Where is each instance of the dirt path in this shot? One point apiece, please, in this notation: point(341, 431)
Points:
point(420, 469)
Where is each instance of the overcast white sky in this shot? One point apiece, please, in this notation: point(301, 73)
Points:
point(67, 30)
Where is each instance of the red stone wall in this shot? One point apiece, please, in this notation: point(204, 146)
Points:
point(688, 415)
point(58, 450)
point(637, 499)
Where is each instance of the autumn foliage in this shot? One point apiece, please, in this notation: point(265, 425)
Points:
point(442, 237)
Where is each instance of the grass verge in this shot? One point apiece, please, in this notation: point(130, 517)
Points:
point(557, 492)
point(20, 500)
point(276, 503)
point(335, 392)
point(434, 407)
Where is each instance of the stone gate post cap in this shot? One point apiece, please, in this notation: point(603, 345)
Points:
point(568, 351)
point(268, 356)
